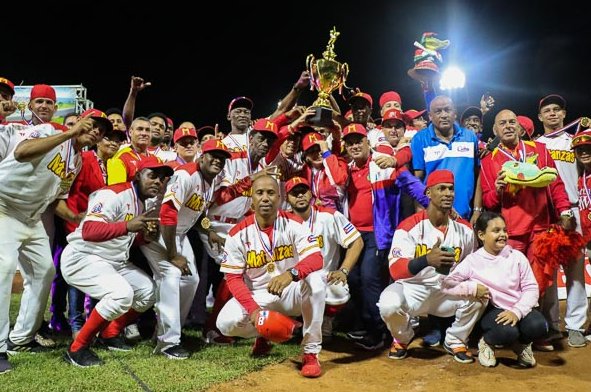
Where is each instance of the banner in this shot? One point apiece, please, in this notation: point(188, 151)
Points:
point(67, 97)
point(561, 280)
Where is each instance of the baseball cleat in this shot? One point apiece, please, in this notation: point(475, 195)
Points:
point(176, 352)
point(84, 358)
point(310, 366)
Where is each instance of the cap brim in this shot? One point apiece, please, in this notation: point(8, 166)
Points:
point(167, 170)
point(106, 122)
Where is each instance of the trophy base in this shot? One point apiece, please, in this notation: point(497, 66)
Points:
point(322, 117)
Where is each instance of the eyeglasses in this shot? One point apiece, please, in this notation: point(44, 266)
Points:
point(581, 139)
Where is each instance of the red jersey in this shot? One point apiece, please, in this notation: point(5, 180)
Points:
point(525, 209)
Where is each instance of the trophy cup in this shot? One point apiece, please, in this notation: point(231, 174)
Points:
point(326, 75)
point(427, 58)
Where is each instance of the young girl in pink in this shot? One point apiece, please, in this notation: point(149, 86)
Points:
point(502, 275)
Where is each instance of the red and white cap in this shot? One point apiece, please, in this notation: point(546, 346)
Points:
point(295, 181)
point(240, 102)
point(309, 140)
point(390, 96)
point(8, 84)
point(99, 116)
point(184, 132)
point(393, 115)
point(152, 162)
point(365, 96)
point(215, 145)
point(265, 125)
point(43, 91)
point(354, 129)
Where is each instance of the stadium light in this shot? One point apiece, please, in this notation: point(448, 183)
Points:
point(452, 78)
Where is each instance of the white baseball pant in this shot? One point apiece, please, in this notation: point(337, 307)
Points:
point(29, 246)
point(175, 292)
point(305, 298)
point(400, 301)
point(118, 285)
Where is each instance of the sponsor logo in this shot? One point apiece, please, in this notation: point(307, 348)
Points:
point(396, 252)
point(422, 250)
point(97, 208)
point(563, 156)
point(259, 259)
point(195, 203)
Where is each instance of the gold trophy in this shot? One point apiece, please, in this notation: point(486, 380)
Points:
point(327, 75)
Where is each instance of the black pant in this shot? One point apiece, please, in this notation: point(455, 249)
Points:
point(531, 327)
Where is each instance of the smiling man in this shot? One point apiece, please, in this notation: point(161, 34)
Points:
point(188, 195)
point(268, 260)
point(37, 172)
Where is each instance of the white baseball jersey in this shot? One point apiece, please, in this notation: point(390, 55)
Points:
point(376, 136)
point(564, 157)
point(190, 194)
point(29, 187)
point(333, 231)
point(249, 249)
point(415, 237)
point(12, 134)
point(115, 203)
point(236, 142)
point(235, 169)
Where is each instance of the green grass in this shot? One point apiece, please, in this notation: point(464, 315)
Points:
point(207, 366)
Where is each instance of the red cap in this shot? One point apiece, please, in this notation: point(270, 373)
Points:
point(205, 130)
point(411, 114)
point(393, 114)
point(215, 145)
point(154, 163)
point(265, 125)
point(581, 138)
point(43, 91)
point(99, 116)
point(354, 128)
point(295, 181)
point(364, 96)
point(310, 139)
point(169, 122)
point(184, 132)
point(527, 124)
point(552, 98)
point(440, 177)
point(275, 326)
point(8, 84)
point(240, 102)
point(390, 96)
point(349, 114)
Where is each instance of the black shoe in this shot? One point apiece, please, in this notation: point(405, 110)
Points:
point(114, 344)
point(84, 357)
point(31, 347)
point(370, 342)
point(4, 364)
point(176, 352)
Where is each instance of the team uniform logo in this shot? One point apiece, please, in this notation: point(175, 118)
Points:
point(97, 209)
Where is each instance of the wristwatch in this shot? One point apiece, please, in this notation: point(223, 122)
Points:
point(568, 213)
point(345, 271)
point(295, 274)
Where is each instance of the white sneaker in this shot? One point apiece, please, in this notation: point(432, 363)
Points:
point(486, 354)
point(132, 333)
point(414, 322)
point(525, 355)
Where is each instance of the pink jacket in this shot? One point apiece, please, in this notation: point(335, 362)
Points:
point(508, 276)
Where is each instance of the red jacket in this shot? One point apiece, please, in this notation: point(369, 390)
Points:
point(88, 180)
point(528, 209)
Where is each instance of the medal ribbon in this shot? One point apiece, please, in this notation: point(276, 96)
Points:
point(510, 156)
point(268, 249)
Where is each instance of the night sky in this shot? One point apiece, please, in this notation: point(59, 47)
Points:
point(518, 53)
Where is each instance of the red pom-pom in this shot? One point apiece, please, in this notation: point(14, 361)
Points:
point(553, 248)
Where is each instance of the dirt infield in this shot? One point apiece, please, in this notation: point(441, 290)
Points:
point(346, 368)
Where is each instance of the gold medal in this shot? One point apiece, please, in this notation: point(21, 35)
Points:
point(318, 202)
point(270, 267)
point(205, 223)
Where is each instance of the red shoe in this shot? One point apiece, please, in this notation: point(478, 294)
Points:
point(261, 347)
point(310, 366)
